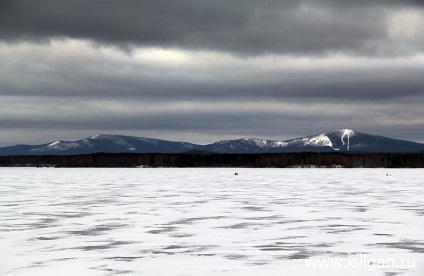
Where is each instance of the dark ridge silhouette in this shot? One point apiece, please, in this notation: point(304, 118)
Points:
point(198, 152)
point(276, 160)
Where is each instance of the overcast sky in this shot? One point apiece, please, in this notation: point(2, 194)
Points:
point(205, 70)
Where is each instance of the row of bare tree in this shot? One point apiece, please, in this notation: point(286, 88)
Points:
point(277, 160)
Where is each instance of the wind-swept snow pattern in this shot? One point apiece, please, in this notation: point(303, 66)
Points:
point(209, 221)
point(346, 133)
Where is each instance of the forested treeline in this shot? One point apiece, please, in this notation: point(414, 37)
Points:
point(277, 160)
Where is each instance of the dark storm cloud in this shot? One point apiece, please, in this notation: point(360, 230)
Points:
point(252, 27)
point(207, 70)
point(339, 87)
point(60, 70)
point(221, 116)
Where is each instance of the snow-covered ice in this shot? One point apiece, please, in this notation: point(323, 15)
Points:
point(210, 222)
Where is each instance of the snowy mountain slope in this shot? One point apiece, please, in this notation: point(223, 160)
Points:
point(324, 142)
point(101, 143)
point(244, 145)
point(344, 140)
point(338, 140)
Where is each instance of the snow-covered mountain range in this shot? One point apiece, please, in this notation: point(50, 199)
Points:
point(344, 140)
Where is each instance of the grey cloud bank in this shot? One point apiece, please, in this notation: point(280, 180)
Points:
point(241, 27)
point(201, 71)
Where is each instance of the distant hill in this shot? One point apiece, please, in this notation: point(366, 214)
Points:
point(345, 141)
point(101, 143)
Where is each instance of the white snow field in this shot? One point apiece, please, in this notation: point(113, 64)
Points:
point(211, 222)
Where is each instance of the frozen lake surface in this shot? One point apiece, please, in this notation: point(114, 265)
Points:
point(211, 222)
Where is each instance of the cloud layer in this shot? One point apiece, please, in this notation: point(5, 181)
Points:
point(206, 70)
point(241, 27)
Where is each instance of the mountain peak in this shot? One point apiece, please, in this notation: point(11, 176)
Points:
point(94, 136)
point(347, 131)
point(341, 132)
point(100, 136)
point(54, 144)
